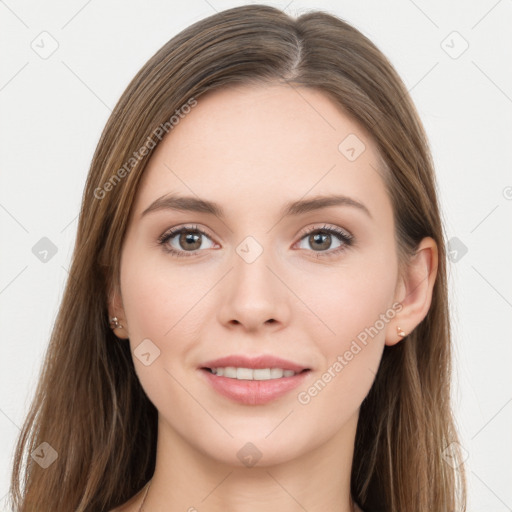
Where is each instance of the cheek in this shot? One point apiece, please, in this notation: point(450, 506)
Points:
point(145, 301)
point(355, 303)
point(156, 300)
point(352, 296)
point(157, 294)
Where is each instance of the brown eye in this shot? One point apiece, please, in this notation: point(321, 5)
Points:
point(189, 241)
point(184, 241)
point(321, 240)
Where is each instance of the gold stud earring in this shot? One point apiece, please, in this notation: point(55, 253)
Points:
point(400, 332)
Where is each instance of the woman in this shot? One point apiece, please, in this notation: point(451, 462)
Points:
point(257, 313)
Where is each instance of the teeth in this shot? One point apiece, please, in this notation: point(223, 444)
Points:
point(252, 374)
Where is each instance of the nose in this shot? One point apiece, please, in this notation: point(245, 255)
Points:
point(253, 296)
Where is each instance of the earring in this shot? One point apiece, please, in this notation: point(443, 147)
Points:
point(400, 332)
point(114, 323)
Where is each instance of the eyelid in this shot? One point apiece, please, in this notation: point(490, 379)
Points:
point(326, 227)
point(186, 227)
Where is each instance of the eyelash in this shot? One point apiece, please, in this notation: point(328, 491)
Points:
point(346, 238)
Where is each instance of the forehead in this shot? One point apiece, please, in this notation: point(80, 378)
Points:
point(263, 145)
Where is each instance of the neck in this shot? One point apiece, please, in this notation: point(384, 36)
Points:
point(187, 479)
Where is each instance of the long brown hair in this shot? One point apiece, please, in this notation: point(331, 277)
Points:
point(89, 405)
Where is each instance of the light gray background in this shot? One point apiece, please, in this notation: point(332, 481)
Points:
point(54, 108)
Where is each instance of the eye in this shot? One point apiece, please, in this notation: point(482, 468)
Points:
point(321, 239)
point(187, 240)
point(190, 239)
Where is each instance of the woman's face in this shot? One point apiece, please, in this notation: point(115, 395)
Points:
point(314, 285)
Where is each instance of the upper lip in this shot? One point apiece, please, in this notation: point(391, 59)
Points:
point(261, 361)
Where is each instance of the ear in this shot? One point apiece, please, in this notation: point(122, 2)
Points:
point(116, 309)
point(414, 290)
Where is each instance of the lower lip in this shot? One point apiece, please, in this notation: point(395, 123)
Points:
point(254, 392)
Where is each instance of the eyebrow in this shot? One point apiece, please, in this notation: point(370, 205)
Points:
point(195, 204)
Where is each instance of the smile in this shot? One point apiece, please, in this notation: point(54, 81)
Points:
point(250, 386)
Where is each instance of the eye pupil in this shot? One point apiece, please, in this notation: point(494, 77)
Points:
point(317, 237)
point(185, 238)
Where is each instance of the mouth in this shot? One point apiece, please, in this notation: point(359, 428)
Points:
point(258, 374)
point(253, 386)
point(247, 367)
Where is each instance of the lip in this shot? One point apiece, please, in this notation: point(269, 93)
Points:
point(253, 392)
point(258, 362)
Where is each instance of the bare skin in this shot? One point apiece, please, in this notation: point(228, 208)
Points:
point(252, 150)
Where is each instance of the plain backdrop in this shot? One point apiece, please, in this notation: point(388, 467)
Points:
point(64, 66)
